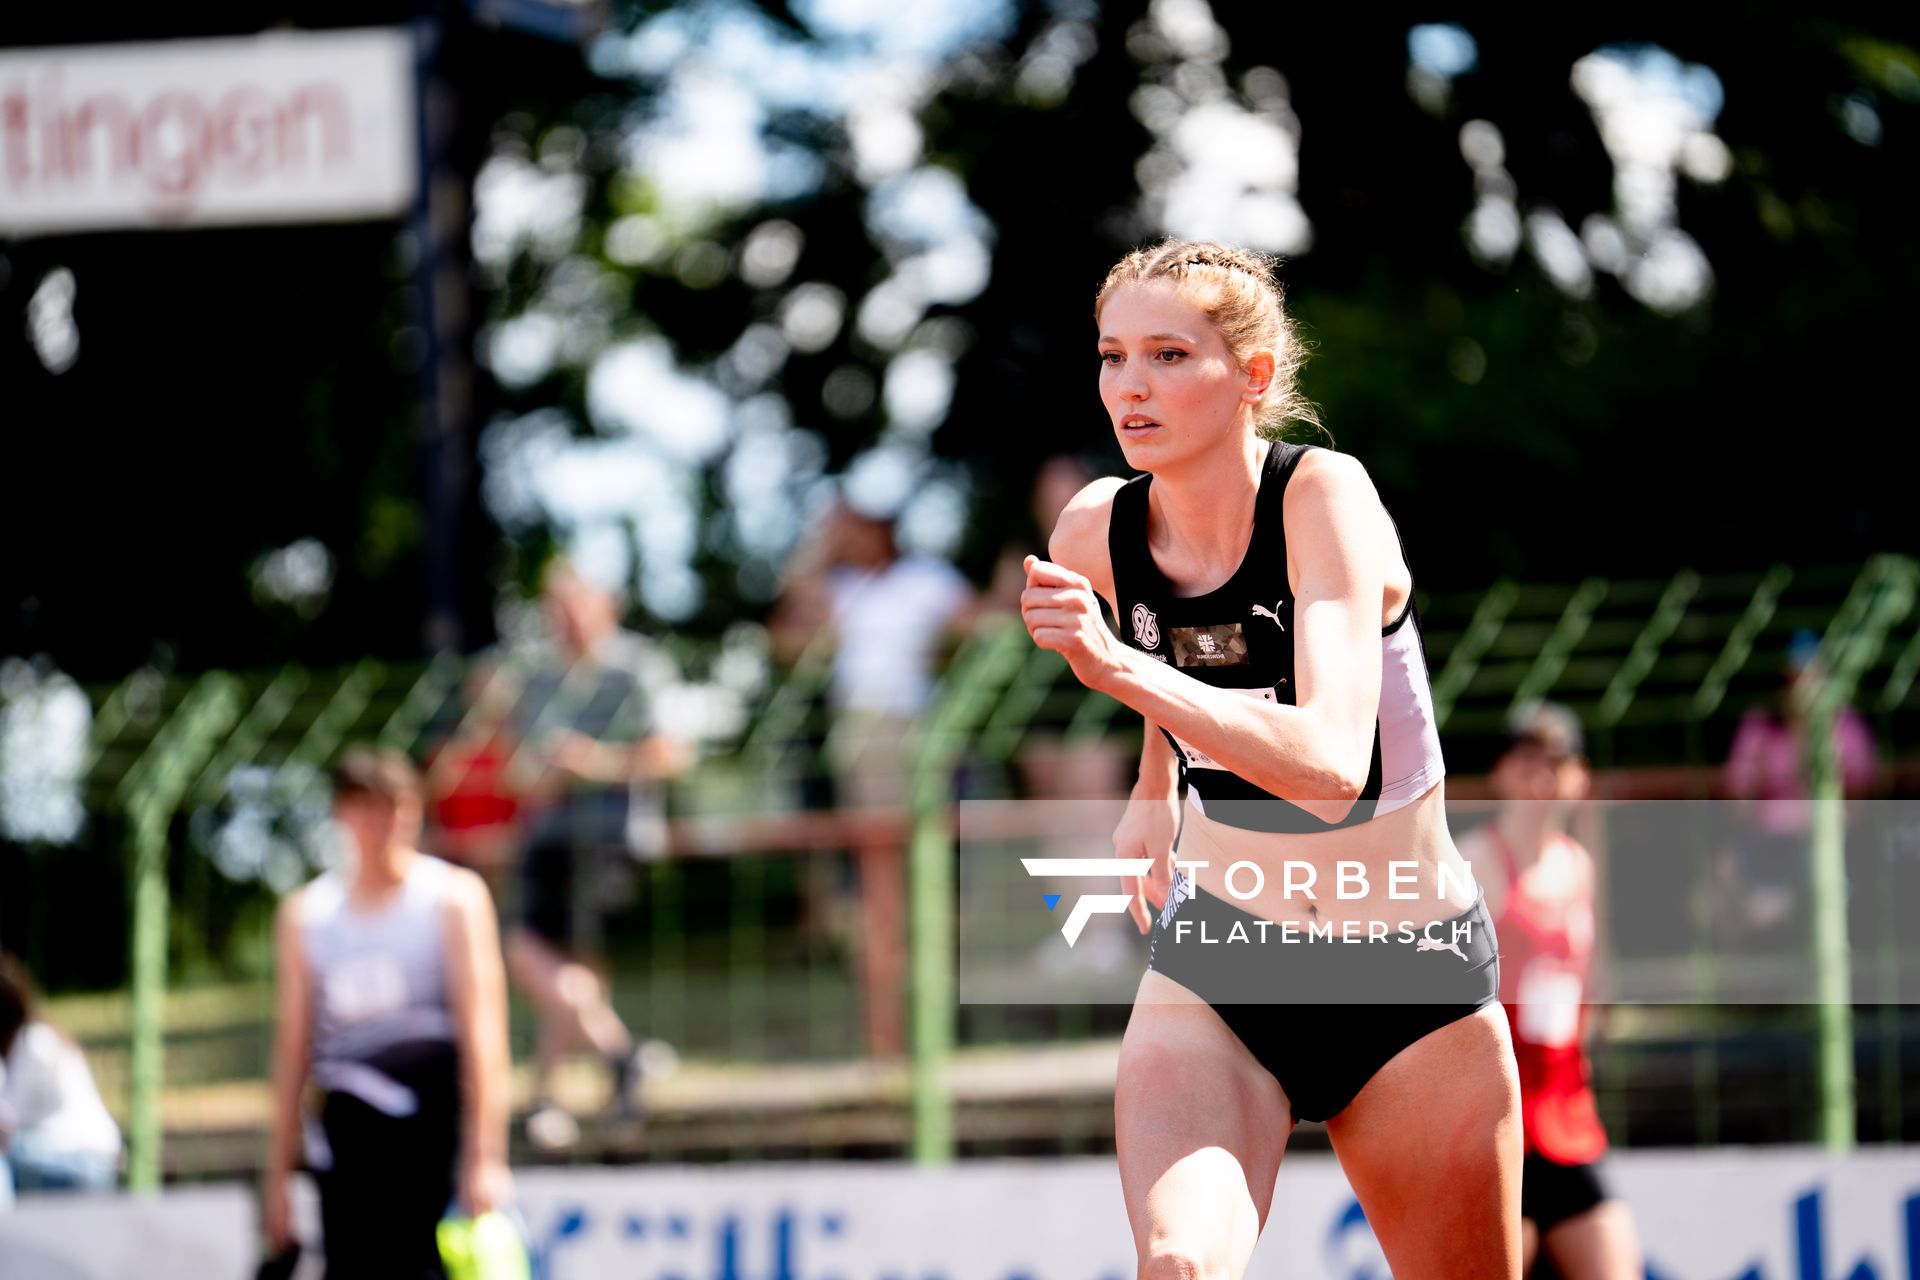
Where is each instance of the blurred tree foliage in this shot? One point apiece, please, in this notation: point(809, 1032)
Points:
point(238, 390)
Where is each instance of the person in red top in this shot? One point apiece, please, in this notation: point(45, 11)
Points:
point(475, 805)
point(1539, 885)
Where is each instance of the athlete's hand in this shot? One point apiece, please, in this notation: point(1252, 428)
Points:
point(1063, 614)
point(1147, 830)
point(485, 1184)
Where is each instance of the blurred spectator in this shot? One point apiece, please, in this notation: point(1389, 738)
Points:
point(55, 1133)
point(1762, 877)
point(1541, 889)
point(1056, 482)
point(390, 999)
point(475, 809)
point(598, 801)
point(890, 615)
point(1050, 764)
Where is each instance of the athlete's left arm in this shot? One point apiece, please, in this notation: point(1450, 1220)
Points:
point(1342, 546)
point(477, 992)
point(1316, 753)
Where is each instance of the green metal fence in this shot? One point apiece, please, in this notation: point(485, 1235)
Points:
point(720, 955)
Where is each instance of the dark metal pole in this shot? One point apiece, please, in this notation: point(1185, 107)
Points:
point(440, 231)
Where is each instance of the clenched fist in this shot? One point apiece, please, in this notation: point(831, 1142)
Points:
point(1063, 614)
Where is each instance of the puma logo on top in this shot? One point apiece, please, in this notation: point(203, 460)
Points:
point(1261, 611)
point(1425, 943)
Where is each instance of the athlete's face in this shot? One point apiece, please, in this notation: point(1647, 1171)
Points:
point(1171, 386)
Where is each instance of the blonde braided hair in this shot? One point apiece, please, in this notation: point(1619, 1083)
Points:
point(1237, 291)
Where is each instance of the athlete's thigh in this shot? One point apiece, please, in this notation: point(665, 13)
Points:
point(1201, 1128)
point(1599, 1244)
point(1432, 1146)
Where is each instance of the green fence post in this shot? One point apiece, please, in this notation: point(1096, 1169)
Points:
point(1832, 967)
point(152, 791)
point(1881, 598)
point(930, 865)
point(147, 1065)
point(973, 687)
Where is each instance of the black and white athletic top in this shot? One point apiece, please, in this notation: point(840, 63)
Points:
point(381, 1003)
point(1240, 637)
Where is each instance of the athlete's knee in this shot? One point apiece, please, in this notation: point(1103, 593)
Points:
point(1176, 1260)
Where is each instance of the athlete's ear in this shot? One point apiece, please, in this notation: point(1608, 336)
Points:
point(1260, 367)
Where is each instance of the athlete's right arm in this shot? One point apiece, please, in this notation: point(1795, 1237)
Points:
point(1152, 818)
point(291, 1048)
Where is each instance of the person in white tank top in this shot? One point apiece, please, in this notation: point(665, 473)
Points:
point(391, 1003)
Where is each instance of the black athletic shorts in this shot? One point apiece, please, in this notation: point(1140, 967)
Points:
point(1324, 1015)
point(566, 890)
point(546, 891)
point(391, 1177)
point(1550, 1192)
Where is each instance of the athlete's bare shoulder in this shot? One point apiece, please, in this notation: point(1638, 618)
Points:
point(1079, 539)
point(1328, 477)
point(1339, 536)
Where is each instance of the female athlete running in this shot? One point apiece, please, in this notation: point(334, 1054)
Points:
point(1271, 645)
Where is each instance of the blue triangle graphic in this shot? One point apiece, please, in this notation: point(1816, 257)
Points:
point(1051, 899)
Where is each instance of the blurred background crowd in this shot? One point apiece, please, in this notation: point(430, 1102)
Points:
point(654, 467)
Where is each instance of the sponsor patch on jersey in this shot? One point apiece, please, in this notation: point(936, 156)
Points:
point(1221, 646)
